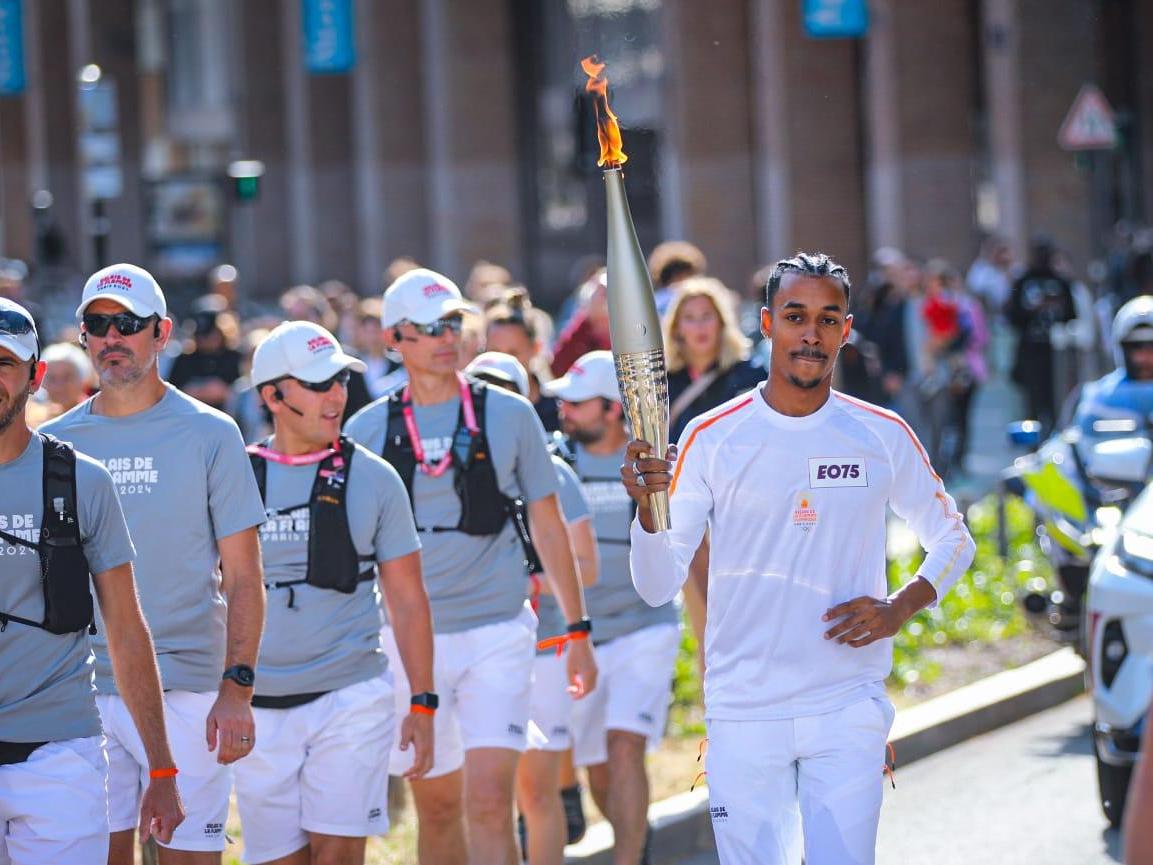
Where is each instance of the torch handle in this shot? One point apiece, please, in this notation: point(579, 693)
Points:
point(645, 395)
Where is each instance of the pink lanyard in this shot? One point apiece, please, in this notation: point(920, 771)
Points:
point(292, 459)
point(441, 467)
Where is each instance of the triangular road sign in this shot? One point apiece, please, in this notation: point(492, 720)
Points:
point(1090, 124)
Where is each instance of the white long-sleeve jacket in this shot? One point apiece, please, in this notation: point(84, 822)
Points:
point(796, 509)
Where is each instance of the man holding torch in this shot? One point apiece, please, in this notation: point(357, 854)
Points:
point(793, 481)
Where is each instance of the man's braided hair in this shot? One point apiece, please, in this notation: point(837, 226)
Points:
point(811, 264)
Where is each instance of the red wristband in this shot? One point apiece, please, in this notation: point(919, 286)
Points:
point(421, 710)
point(170, 772)
point(558, 642)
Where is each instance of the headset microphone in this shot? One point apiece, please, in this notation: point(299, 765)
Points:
point(276, 392)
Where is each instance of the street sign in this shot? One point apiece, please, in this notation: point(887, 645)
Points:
point(836, 19)
point(99, 136)
point(1090, 123)
point(12, 79)
point(329, 35)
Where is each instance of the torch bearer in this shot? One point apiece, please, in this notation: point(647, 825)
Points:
point(634, 325)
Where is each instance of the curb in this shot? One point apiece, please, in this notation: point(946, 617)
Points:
point(681, 825)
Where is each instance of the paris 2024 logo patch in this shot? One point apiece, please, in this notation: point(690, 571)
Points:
point(805, 513)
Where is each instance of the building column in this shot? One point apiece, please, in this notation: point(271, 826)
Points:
point(884, 194)
point(1144, 89)
point(469, 134)
point(709, 134)
point(302, 248)
point(769, 106)
point(1000, 54)
point(388, 141)
point(111, 43)
point(16, 235)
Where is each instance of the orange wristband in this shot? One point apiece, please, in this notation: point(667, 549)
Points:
point(170, 772)
point(558, 642)
point(421, 710)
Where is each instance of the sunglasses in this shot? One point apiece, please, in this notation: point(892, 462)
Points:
point(14, 323)
point(440, 326)
point(341, 378)
point(126, 323)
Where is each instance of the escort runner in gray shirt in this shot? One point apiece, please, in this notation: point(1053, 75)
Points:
point(46, 692)
point(326, 639)
point(613, 603)
point(471, 580)
point(574, 507)
point(166, 462)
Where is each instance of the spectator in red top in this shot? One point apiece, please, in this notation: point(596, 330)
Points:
point(588, 330)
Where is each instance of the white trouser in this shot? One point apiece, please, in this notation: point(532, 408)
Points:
point(768, 779)
point(203, 783)
point(54, 805)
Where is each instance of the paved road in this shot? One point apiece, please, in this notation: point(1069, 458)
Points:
point(1023, 795)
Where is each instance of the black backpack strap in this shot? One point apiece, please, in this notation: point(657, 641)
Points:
point(63, 564)
point(397, 449)
point(259, 467)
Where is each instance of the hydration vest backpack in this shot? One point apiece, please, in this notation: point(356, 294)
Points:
point(64, 573)
point(333, 561)
point(484, 509)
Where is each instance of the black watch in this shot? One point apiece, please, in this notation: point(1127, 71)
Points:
point(584, 626)
point(428, 700)
point(241, 674)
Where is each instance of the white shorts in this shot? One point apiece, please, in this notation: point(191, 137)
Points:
point(483, 677)
point(768, 778)
point(321, 767)
point(203, 783)
point(54, 805)
point(633, 690)
point(550, 706)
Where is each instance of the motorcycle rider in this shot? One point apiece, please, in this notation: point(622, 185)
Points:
point(1126, 392)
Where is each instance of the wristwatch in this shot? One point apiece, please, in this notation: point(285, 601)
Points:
point(241, 674)
point(582, 626)
point(427, 700)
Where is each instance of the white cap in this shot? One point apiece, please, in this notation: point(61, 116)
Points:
point(131, 286)
point(24, 345)
point(302, 350)
point(594, 374)
point(421, 296)
point(502, 366)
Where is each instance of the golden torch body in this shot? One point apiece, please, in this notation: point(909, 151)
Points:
point(636, 334)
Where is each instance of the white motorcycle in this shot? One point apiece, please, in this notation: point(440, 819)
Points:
point(1119, 633)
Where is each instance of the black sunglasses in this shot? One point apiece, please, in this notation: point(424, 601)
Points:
point(440, 326)
point(126, 323)
point(341, 378)
point(15, 323)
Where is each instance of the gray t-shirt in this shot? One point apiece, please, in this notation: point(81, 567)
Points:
point(574, 508)
point(471, 580)
point(46, 692)
point(614, 605)
point(184, 480)
point(327, 640)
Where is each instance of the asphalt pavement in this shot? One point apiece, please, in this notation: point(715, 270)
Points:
point(1023, 795)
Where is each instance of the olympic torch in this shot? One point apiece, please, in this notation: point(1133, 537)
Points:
point(634, 325)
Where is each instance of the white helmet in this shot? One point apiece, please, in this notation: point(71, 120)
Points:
point(1133, 323)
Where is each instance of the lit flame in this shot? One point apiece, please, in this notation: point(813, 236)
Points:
point(608, 130)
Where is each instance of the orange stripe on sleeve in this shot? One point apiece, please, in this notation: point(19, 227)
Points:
point(692, 438)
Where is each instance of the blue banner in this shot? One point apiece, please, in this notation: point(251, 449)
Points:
point(836, 19)
point(11, 47)
point(329, 35)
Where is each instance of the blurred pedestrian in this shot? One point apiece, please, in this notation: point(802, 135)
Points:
point(670, 263)
point(512, 326)
point(990, 276)
point(1040, 298)
point(588, 330)
point(69, 380)
point(211, 363)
